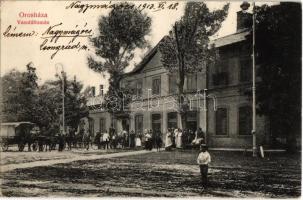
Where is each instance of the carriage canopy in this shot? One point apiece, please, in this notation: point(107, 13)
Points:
point(11, 129)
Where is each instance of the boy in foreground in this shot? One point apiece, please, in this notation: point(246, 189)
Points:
point(203, 160)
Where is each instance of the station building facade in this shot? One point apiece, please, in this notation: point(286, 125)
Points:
point(217, 97)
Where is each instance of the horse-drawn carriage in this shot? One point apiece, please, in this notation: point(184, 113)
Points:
point(27, 133)
point(20, 133)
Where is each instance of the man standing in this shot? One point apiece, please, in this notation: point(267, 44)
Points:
point(132, 137)
point(61, 141)
point(105, 139)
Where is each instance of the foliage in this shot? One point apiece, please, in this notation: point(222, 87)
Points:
point(48, 106)
point(117, 102)
point(24, 100)
point(51, 104)
point(278, 46)
point(120, 33)
point(19, 95)
point(186, 49)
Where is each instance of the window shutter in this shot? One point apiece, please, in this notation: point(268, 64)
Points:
point(221, 121)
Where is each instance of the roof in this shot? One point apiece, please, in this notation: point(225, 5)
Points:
point(223, 41)
point(144, 61)
point(231, 39)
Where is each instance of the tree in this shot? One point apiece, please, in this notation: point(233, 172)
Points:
point(50, 104)
point(20, 95)
point(48, 107)
point(75, 104)
point(278, 47)
point(120, 33)
point(186, 49)
point(24, 100)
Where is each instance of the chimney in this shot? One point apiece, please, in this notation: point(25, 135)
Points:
point(101, 90)
point(93, 90)
point(244, 19)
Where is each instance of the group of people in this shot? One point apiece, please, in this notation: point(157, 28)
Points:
point(149, 139)
point(153, 139)
point(177, 138)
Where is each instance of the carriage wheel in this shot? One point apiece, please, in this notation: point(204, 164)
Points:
point(4, 146)
point(21, 146)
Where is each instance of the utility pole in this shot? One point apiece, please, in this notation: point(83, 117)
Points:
point(63, 109)
point(254, 84)
point(244, 6)
point(63, 95)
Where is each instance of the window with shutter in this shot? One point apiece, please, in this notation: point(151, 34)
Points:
point(139, 88)
point(173, 87)
point(221, 121)
point(139, 124)
point(245, 69)
point(156, 86)
point(192, 82)
point(221, 76)
point(245, 120)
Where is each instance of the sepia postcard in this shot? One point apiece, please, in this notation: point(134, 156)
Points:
point(150, 99)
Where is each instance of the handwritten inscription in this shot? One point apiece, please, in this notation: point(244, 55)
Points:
point(9, 32)
point(54, 33)
point(83, 7)
point(57, 38)
point(45, 46)
point(51, 36)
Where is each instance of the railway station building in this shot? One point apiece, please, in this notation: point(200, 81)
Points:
point(225, 116)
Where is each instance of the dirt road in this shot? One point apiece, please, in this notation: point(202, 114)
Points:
point(162, 174)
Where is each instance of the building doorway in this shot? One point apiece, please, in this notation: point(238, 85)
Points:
point(191, 122)
point(172, 121)
point(156, 123)
point(125, 124)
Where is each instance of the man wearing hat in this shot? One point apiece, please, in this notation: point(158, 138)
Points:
point(203, 160)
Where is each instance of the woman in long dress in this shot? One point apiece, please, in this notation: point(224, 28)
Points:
point(138, 140)
point(179, 139)
point(168, 140)
point(148, 141)
point(175, 136)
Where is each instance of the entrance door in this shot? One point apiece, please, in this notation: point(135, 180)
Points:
point(125, 124)
point(192, 121)
point(156, 123)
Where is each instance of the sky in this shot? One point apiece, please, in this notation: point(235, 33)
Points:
point(16, 52)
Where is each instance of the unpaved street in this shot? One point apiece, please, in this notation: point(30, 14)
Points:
point(15, 161)
point(162, 174)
